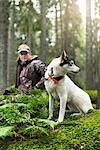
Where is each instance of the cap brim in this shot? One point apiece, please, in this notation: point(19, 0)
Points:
point(24, 50)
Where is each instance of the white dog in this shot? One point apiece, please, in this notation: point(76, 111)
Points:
point(59, 85)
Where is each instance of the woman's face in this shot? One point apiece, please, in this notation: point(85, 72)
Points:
point(24, 56)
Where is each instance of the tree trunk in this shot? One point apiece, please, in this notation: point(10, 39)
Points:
point(56, 27)
point(61, 26)
point(97, 48)
point(4, 9)
point(89, 58)
point(43, 5)
point(30, 24)
point(65, 32)
point(11, 52)
point(98, 81)
point(98, 100)
point(98, 70)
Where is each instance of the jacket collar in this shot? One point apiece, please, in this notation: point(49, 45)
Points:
point(25, 63)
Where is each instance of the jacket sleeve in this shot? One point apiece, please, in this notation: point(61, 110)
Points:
point(24, 86)
point(40, 67)
point(18, 70)
point(26, 80)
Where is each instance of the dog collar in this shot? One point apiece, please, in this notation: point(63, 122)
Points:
point(55, 79)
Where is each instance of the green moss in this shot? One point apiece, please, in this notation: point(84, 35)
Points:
point(72, 134)
point(30, 132)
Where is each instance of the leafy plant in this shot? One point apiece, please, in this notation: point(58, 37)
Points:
point(6, 131)
point(21, 112)
point(92, 94)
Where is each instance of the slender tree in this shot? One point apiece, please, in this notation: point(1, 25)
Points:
point(11, 46)
point(89, 52)
point(30, 30)
point(56, 26)
point(97, 47)
point(4, 14)
point(98, 81)
point(43, 10)
point(61, 25)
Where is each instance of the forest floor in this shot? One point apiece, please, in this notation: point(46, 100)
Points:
point(74, 133)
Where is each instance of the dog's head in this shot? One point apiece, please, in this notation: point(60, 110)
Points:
point(68, 64)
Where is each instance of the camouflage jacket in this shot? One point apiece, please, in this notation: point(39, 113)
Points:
point(30, 74)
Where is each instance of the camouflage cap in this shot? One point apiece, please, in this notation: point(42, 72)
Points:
point(23, 47)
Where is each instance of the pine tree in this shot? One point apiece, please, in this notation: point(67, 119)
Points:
point(4, 9)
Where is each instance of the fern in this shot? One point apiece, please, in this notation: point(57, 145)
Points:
point(22, 111)
point(6, 131)
point(45, 123)
point(32, 130)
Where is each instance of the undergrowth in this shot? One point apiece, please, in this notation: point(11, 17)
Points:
point(23, 125)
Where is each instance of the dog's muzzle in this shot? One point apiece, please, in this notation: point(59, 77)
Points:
point(76, 71)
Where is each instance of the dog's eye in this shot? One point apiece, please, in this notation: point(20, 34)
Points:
point(71, 63)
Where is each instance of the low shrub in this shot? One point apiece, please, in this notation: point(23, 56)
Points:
point(23, 125)
point(92, 94)
point(21, 112)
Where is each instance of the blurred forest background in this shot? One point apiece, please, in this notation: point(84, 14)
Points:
point(48, 26)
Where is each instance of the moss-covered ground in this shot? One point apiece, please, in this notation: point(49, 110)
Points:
point(73, 134)
point(31, 133)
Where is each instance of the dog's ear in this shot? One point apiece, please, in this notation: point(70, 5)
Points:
point(63, 56)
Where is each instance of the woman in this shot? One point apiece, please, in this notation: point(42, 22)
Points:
point(29, 71)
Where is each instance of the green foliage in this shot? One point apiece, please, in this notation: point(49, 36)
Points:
point(6, 131)
point(21, 118)
point(74, 133)
point(22, 112)
point(14, 90)
point(92, 94)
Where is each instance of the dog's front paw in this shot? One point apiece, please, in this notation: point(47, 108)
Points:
point(59, 121)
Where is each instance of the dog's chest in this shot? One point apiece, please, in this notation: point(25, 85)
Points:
point(52, 89)
point(50, 86)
